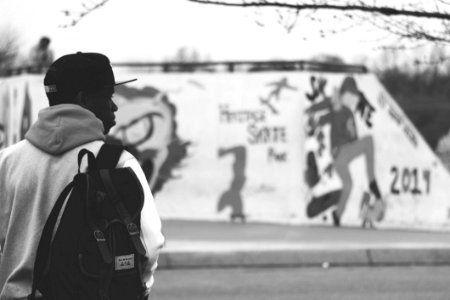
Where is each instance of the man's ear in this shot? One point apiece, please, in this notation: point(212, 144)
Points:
point(81, 99)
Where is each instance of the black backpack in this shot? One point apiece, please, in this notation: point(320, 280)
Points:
point(96, 251)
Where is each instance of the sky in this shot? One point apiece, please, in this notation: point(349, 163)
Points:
point(153, 30)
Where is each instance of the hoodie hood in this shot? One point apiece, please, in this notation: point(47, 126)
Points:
point(63, 127)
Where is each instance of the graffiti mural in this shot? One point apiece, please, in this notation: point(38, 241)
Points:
point(338, 111)
point(147, 125)
point(4, 113)
point(16, 113)
point(289, 147)
point(255, 128)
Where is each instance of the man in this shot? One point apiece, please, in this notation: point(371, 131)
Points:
point(41, 55)
point(34, 171)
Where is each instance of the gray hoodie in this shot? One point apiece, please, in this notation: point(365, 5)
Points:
point(32, 174)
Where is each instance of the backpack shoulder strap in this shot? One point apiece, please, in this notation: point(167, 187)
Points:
point(108, 156)
point(42, 260)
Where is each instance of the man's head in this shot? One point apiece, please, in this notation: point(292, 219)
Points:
point(44, 42)
point(85, 79)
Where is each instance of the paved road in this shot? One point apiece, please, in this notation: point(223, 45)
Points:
point(368, 283)
point(217, 244)
point(182, 234)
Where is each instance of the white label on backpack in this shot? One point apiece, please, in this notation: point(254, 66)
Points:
point(124, 262)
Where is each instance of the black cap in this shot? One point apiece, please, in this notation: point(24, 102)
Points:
point(77, 72)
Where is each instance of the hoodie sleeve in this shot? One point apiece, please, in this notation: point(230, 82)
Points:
point(151, 234)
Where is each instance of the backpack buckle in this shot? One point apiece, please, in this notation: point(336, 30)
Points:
point(132, 229)
point(99, 236)
point(102, 246)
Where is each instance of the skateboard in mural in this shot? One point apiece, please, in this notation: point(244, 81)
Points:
point(371, 210)
point(319, 205)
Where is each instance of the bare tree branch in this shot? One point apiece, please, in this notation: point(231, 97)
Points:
point(408, 21)
point(383, 10)
point(413, 21)
point(78, 15)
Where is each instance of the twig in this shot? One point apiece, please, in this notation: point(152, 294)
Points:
point(80, 15)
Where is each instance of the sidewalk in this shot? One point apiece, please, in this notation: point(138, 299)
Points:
point(207, 244)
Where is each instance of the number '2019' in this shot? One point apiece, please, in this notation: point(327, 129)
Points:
point(410, 181)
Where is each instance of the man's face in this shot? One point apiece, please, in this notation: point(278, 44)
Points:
point(102, 105)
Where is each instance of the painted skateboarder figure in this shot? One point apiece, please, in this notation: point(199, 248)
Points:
point(346, 146)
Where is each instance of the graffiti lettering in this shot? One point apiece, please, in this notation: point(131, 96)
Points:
point(382, 100)
point(276, 156)
point(318, 88)
point(266, 134)
point(365, 109)
point(409, 181)
point(241, 116)
point(410, 135)
point(395, 115)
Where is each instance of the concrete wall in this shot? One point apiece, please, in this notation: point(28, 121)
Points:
point(261, 145)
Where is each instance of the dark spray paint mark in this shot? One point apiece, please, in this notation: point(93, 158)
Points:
point(26, 114)
point(232, 197)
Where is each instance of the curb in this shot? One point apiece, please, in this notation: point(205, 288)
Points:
point(170, 259)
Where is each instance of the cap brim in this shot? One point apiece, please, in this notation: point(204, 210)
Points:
point(124, 82)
